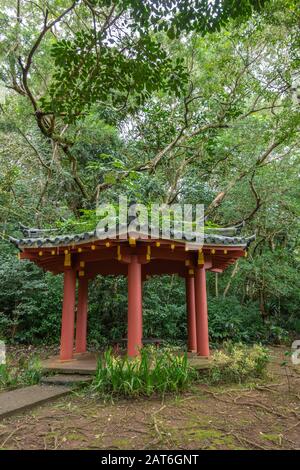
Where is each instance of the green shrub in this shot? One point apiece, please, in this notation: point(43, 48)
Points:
point(27, 373)
point(107, 317)
point(164, 309)
point(155, 371)
point(238, 363)
point(32, 372)
point(9, 376)
point(229, 320)
point(30, 302)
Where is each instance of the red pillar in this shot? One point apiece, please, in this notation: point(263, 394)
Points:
point(68, 315)
point(191, 313)
point(81, 320)
point(135, 327)
point(201, 312)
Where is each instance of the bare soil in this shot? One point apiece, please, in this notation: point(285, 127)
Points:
point(265, 415)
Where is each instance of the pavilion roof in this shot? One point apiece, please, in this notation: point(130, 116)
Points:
point(37, 238)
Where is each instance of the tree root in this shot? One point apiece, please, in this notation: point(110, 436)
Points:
point(243, 440)
point(10, 435)
point(292, 427)
point(267, 388)
point(256, 405)
point(263, 407)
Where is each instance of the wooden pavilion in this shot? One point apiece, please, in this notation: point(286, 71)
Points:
point(83, 256)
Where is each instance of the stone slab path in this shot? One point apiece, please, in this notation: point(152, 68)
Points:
point(66, 379)
point(24, 398)
point(51, 387)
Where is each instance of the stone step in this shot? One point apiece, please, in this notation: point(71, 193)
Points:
point(66, 379)
point(25, 398)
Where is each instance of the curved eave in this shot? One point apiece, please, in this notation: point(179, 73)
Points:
point(92, 237)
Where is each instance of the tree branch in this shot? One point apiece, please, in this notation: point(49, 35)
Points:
point(222, 194)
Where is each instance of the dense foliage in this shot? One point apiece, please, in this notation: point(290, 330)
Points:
point(164, 102)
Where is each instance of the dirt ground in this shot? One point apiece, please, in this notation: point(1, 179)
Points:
point(258, 416)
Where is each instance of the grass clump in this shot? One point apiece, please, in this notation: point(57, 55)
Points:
point(12, 376)
point(154, 371)
point(238, 363)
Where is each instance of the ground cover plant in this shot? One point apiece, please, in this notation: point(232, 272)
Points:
point(25, 372)
point(238, 363)
point(153, 372)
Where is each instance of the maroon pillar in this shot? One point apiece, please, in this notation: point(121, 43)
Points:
point(135, 327)
point(68, 315)
point(201, 312)
point(191, 313)
point(81, 320)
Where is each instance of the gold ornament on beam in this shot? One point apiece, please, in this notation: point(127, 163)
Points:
point(119, 256)
point(200, 257)
point(81, 273)
point(148, 256)
point(132, 241)
point(67, 261)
